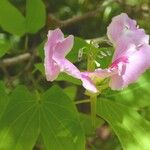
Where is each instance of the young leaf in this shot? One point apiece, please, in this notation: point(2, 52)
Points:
point(35, 15)
point(11, 20)
point(131, 129)
point(78, 44)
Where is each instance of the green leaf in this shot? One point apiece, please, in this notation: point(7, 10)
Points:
point(78, 44)
point(5, 46)
point(35, 15)
point(19, 125)
point(40, 67)
point(60, 124)
point(104, 56)
point(71, 91)
point(136, 95)
point(131, 129)
point(87, 124)
point(11, 20)
point(52, 114)
point(3, 98)
point(68, 78)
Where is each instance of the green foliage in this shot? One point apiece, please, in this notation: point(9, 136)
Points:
point(71, 91)
point(12, 21)
point(5, 46)
point(50, 119)
point(86, 123)
point(3, 98)
point(51, 114)
point(130, 127)
point(35, 16)
point(79, 44)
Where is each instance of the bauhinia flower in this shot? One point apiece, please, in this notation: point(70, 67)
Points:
point(56, 48)
point(123, 32)
point(132, 53)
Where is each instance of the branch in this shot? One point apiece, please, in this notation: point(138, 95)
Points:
point(16, 59)
point(77, 19)
point(73, 20)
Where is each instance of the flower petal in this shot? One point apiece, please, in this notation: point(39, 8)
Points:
point(123, 30)
point(63, 47)
point(51, 68)
point(138, 63)
point(69, 68)
point(88, 84)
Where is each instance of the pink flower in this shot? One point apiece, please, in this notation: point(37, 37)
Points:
point(130, 66)
point(123, 32)
point(56, 48)
point(132, 52)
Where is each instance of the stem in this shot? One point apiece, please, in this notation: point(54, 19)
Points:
point(93, 100)
point(82, 101)
point(93, 97)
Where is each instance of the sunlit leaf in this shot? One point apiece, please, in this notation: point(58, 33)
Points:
point(131, 129)
point(51, 114)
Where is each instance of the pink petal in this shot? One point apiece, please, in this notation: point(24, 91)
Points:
point(88, 84)
point(118, 25)
point(69, 68)
point(123, 29)
point(54, 36)
point(63, 47)
point(51, 68)
point(138, 63)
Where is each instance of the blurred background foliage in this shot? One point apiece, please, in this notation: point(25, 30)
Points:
point(87, 19)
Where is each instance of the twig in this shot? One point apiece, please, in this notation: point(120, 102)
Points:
point(73, 20)
point(77, 19)
point(16, 59)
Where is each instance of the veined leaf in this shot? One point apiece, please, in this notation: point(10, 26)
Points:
point(131, 129)
point(51, 114)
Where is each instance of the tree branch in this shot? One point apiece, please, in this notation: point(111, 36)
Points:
point(16, 59)
point(75, 19)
